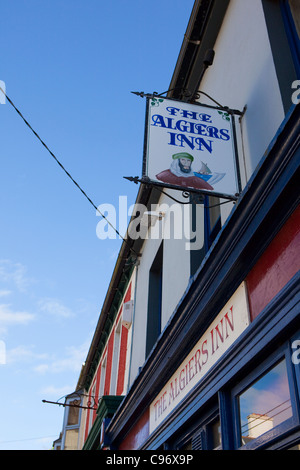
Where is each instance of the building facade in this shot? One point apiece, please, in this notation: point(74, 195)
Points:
point(198, 342)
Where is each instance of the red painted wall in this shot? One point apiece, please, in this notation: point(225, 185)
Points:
point(123, 351)
point(137, 435)
point(110, 349)
point(279, 263)
point(122, 360)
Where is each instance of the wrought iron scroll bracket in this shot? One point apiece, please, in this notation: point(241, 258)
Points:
point(186, 192)
point(91, 404)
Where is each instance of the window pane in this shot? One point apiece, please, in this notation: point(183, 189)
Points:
point(295, 447)
point(265, 404)
point(71, 439)
point(187, 446)
point(295, 9)
point(216, 435)
point(73, 412)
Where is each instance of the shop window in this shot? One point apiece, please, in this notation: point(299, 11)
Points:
point(265, 404)
point(214, 435)
point(294, 447)
point(203, 435)
point(207, 437)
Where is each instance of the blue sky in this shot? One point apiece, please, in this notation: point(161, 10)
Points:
point(69, 66)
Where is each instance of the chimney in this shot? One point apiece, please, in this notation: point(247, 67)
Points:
point(258, 424)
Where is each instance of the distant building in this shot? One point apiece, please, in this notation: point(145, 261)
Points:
point(258, 424)
point(68, 438)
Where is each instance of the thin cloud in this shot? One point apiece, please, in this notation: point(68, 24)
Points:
point(9, 317)
point(41, 369)
point(56, 392)
point(5, 293)
point(55, 307)
point(22, 354)
point(15, 273)
point(71, 361)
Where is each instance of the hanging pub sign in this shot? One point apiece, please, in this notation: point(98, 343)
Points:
point(190, 146)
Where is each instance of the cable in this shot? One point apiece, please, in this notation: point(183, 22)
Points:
point(28, 439)
point(63, 168)
point(266, 414)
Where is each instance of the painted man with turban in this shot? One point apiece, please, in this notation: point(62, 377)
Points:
point(181, 173)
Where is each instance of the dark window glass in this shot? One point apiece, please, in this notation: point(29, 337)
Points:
point(154, 301)
point(215, 435)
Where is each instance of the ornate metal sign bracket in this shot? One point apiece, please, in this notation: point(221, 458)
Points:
point(186, 192)
point(188, 94)
point(92, 403)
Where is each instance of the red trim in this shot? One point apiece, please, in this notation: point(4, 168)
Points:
point(89, 411)
point(279, 263)
point(109, 357)
point(87, 419)
point(122, 360)
point(98, 375)
point(123, 350)
point(128, 294)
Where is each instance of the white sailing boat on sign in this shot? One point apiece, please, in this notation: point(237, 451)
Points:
point(207, 175)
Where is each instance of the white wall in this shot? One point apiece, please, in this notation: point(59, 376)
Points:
point(176, 274)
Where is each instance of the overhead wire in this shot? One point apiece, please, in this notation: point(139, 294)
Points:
point(64, 169)
point(266, 414)
point(28, 439)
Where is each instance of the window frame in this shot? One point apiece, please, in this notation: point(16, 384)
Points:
point(291, 32)
point(296, 337)
point(212, 225)
point(268, 438)
point(102, 376)
point(198, 432)
point(154, 306)
point(212, 220)
point(282, 46)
